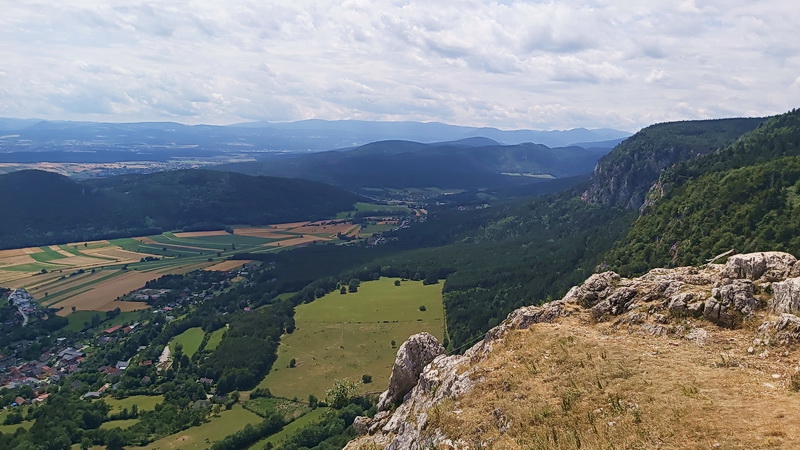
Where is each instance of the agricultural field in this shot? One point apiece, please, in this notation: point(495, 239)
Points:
point(90, 276)
point(190, 341)
point(228, 422)
point(350, 335)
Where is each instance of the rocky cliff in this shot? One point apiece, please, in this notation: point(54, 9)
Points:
point(624, 177)
point(701, 357)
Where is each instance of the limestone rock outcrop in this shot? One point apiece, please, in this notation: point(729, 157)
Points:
point(415, 353)
point(785, 296)
point(771, 266)
point(664, 303)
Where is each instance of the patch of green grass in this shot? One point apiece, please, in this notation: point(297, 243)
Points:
point(143, 402)
point(376, 228)
point(289, 409)
point(290, 429)
point(125, 423)
point(189, 339)
point(286, 295)
point(47, 255)
point(10, 429)
point(78, 318)
point(228, 422)
point(347, 336)
point(215, 339)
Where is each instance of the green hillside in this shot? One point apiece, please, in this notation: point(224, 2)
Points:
point(744, 197)
point(49, 208)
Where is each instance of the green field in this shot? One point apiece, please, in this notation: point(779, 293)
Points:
point(216, 429)
point(47, 255)
point(12, 428)
point(288, 430)
point(125, 423)
point(189, 339)
point(346, 336)
point(143, 402)
point(289, 409)
point(215, 339)
point(376, 228)
point(78, 318)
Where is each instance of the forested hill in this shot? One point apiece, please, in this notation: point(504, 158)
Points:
point(624, 176)
point(43, 207)
point(467, 164)
point(744, 197)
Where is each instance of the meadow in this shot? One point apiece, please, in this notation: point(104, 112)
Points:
point(350, 335)
point(275, 439)
point(216, 429)
point(190, 341)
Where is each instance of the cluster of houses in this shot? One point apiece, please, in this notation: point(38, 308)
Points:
point(25, 304)
point(49, 368)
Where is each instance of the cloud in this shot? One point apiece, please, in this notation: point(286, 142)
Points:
point(509, 64)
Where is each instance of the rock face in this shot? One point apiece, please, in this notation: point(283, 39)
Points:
point(674, 303)
point(730, 304)
point(772, 266)
point(415, 353)
point(785, 296)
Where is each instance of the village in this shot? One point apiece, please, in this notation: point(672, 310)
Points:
point(29, 375)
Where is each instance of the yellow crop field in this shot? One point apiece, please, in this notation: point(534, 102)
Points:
point(228, 265)
point(102, 296)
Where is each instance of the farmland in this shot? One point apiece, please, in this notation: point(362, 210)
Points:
point(347, 336)
point(94, 275)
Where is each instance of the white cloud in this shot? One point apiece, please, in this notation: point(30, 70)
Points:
point(548, 64)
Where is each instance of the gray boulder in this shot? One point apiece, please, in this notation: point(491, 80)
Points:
point(730, 304)
point(785, 296)
point(771, 266)
point(595, 289)
point(415, 353)
point(785, 330)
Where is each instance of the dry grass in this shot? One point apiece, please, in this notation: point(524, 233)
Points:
point(328, 230)
point(287, 226)
point(228, 265)
point(266, 233)
point(565, 386)
point(102, 296)
point(296, 241)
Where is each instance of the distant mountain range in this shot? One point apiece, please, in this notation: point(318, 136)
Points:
point(23, 135)
point(466, 164)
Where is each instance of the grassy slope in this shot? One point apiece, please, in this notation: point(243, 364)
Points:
point(216, 429)
point(346, 336)
point(215, 339)
point(290, 429)
point(190, 339)
point(569, 385)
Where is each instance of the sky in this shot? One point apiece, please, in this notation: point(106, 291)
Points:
point(559, 64)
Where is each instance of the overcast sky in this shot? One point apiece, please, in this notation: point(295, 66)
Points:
point(510, 64)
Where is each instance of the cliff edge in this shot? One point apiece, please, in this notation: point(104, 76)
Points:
point(698, 357)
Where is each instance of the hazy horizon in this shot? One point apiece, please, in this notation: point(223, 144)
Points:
point(554, 65)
